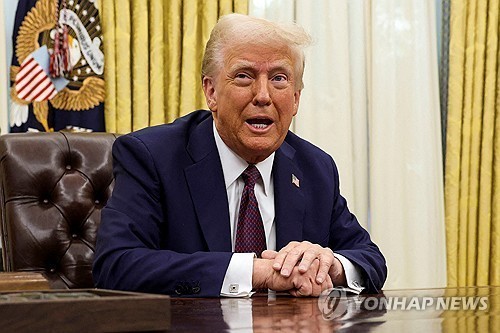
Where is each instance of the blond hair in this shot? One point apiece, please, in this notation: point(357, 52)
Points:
point(237, 28)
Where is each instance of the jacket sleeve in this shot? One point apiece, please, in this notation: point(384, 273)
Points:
point(130, 254)
point(350, 239)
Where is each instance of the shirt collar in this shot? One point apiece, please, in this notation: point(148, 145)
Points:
point(233, 165)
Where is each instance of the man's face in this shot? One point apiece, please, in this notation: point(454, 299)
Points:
point(253, 99)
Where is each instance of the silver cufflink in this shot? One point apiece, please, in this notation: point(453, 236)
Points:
point(233, 288)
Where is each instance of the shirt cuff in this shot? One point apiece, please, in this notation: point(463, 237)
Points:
point(353, 275)
point(238, 279)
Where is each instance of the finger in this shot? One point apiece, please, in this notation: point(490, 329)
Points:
point(269, 254)
point(318, 288)
point(306, 289)
point(325, 262)
point(282, 254)
point(293, 257)
point(327, 284)
point(337, 273)
point(307, 259)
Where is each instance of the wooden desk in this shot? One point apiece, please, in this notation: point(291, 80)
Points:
point(22, 281)
point(83, 310)
point(263, 313)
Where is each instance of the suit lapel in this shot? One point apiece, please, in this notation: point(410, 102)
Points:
point(289, 199)
point(206, 185)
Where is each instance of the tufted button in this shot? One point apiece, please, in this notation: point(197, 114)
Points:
point(97, 202)
point(74, 236)
point(45, 201)
point(52, 270)
point(68, 167)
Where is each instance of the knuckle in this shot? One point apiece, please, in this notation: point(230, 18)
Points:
point(283, 254)
point(309, 255)
point(325, 264)
point(306, 260)
point(327, 255)
point(285, 249)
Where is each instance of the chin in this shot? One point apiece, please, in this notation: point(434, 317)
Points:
point(258, 149)
point(256, 155)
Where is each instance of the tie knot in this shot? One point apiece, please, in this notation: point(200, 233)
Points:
point(251, 175)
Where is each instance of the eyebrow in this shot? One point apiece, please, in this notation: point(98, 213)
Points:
point(275, 66)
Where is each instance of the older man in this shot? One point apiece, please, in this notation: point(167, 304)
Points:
point(229, 201)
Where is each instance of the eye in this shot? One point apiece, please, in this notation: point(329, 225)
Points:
point(242, 79)
point(242, 76)
point(280, 78)
point(280, 81)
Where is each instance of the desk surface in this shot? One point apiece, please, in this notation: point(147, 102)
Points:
point(426, 310)
point(22, 281)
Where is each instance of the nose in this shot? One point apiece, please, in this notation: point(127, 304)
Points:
point(261, 91)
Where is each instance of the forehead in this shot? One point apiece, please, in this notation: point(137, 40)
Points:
point(251, 55)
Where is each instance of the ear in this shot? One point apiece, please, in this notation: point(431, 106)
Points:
point(296, 97)
point(210, 93)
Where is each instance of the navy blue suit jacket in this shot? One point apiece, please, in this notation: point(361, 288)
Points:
point(166, 227)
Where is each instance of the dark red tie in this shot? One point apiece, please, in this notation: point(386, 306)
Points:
point(250, 235)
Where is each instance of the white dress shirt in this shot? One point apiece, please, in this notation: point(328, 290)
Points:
point(238, 278)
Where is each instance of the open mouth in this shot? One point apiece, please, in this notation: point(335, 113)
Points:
point(259, 123)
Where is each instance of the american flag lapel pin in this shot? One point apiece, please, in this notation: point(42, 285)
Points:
point(295, 180)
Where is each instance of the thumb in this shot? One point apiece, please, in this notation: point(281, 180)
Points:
point(269, 254)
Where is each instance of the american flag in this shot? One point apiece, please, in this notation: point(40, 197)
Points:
point(295, 180)
point(33, 83)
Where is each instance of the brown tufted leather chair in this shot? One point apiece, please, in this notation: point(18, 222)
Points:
point(52, 189)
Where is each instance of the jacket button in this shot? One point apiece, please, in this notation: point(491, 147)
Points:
point(179, 289)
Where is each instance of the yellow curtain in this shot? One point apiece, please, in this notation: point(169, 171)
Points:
point(153, 52)
point(472, 179)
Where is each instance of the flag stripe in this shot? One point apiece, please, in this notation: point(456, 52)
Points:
point(35, 82)
point(26, 68)
point(28, 79)
point(53, 93)
point(48, 94)
point(37, 87)
point(45, 91)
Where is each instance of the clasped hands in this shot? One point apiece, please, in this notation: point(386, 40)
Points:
point(300, 268)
